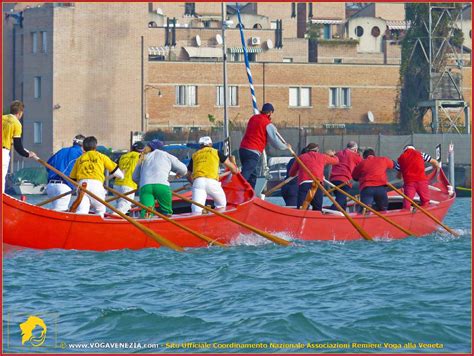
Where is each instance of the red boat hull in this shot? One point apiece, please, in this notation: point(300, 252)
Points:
point(30, 226)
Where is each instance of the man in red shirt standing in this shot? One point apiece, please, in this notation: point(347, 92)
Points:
point(372, 176)
point(315, 162)
point(341, 173)
point(259, 130)
point(411, 166)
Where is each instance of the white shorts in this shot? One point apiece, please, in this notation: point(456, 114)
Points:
point(204, 187)
point(55, 189)
point(122, 204)
point(5, 166)
point(96, 187)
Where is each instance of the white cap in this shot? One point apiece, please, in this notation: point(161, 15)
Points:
point(205, 140)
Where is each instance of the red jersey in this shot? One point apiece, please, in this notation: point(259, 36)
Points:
point(412, 165)
point(255, 137)
point(348, 160)
point(315, 162)
point(372, 171)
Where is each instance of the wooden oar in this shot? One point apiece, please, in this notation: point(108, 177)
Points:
point(362, 232)
point(147, 231)
point(309, 197)
point(264, 234)
point(339, 186)
point(164, 217)
point(278, 186)
point(117, 197)
point(390, 221)
point(77, 202)
point(424, 211)
point(47, 201)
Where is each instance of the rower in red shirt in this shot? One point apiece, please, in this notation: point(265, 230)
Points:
point(411, 166)
point(259, 130)
point(372, 176)
point(315, 162)
point(341, 173)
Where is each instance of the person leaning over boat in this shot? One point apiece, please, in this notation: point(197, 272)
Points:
point(11, 135)
point(203, 172)
point(90, 168)
point(64, 161)
point(152, 174)
point(289, 191)
point(341, 172)
point(127, 164)
point(315, 162)
point(372, 176)
point(259, 130)
point(411, 166)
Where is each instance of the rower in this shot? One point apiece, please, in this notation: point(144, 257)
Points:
point(411, 166)
point(315, 162)
point(127, 164)
point(372, 176)
point(152, 173)
point(89, 169)
point(11, 134)
point(341, 173)
point(259, 130)
point(204, 175)
point(289, 191)
point(63, 160)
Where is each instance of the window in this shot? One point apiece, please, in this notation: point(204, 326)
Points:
point(273, 25)
point(337, 60)
point(37, 88)
point(327, 31)
point(22, 42)
point(359, 31)
point(186, 95)
point(37, 132)
point(34, 42)
point(287, 60)
point(375, 31)
point(257, 26)
point(44, 41)
point(252, 57)
point(232, 95)
point(339, 97)
point(22, 95)
point(189, 9)
point(300, 97)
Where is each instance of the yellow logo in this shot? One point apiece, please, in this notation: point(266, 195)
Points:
point(29, 326)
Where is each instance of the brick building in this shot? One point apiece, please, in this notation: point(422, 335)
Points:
point(109, 69)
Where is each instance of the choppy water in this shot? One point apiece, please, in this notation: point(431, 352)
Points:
point(334, 296)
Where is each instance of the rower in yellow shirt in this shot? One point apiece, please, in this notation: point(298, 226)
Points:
point(11, 136)
point(127, 164)
point(90, 168)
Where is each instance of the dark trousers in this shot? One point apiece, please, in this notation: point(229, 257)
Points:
point(377, 195)
point(340, 198)
point(316, 203)
point(249, 162)
point(289, 192)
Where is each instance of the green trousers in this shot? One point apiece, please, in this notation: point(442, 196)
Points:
point(160, 192)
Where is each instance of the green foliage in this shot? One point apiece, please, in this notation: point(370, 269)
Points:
point(339, 42)
point(414, 68)
point(313, 31)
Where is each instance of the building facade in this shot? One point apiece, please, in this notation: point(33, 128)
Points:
point(110, 69)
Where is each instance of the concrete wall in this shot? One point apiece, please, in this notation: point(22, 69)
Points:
point(367, 42)
point(97, 72)
point(329, 10)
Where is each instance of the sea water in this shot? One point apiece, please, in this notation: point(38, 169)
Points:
point(411, 295)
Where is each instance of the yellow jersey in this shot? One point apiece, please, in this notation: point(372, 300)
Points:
point(91, 165)
point(205, 163)
point(11, 128)
point(127, 164)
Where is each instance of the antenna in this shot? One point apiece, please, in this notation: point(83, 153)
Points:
point(370, 116)
point(219, 39)
point(198, 41)
point(269, 44)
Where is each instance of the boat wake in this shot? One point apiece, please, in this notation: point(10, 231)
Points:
point(256, 240)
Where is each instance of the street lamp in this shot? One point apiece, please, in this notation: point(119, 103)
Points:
point(147, 116)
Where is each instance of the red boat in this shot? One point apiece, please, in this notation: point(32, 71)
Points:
point(36, 227)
